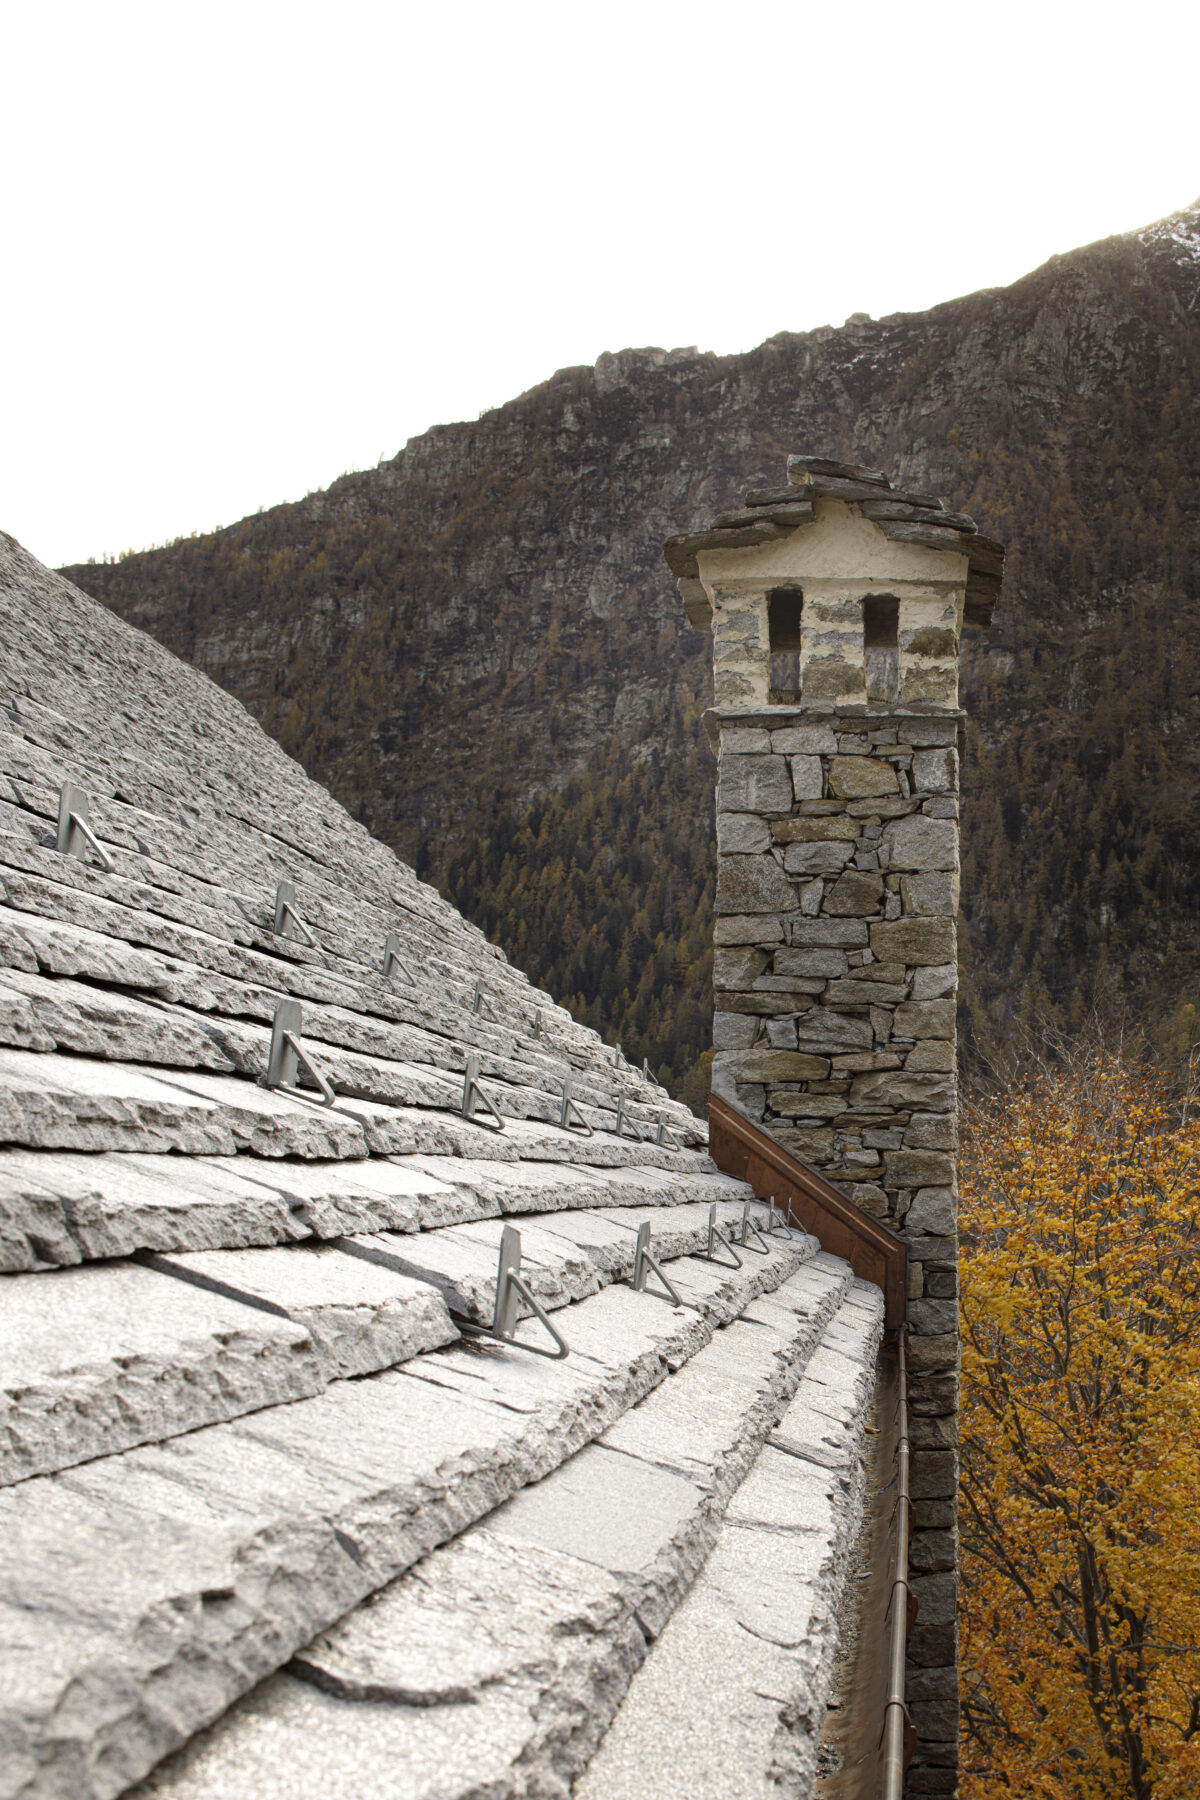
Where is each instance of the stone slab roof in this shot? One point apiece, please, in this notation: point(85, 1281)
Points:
point(905, 517)
point(280, 1518)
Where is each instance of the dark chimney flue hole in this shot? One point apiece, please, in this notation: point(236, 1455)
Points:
point(784, 607)
point(881, 644)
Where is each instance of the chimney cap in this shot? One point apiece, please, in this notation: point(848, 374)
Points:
point(905, 516)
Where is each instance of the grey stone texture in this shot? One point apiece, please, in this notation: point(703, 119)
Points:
point(865, 965)
point(817, 859)
point(243, 1389)
point(750, 884)
point(257, 1509)
point(743, 833)
point(921, 843)
point(753, 1643)
point(100, 1359)
point(497, 1662)
point(754, 784)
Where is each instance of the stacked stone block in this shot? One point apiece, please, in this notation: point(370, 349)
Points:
point(836, 979)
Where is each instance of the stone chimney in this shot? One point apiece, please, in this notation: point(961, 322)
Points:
point(836, 606)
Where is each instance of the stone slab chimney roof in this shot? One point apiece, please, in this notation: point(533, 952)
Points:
point(903, 516)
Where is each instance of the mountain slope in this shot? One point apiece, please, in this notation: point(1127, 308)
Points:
point(478, 647)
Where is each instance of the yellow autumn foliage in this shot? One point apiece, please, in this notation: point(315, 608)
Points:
point(1080, 1212)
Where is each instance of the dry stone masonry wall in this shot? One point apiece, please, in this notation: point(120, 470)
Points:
point(835, 979)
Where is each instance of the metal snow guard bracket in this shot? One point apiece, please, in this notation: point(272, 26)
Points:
point(644, 1263)
point(392, 959)
point(783, 1225)
point(287, 922)
point(511, 1289)
point(715, 1237)
point(626, 1127)
point(473, 1095)
point(75, 835)
point(660, 1136)
point(288, 1056)
point(748, 1226)
point(567, 1122)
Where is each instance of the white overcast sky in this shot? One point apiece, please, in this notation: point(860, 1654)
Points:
point(247, 247)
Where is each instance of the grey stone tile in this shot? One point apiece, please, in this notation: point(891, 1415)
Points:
point(208, 1560)
point(361, 1317)
point(97, 1360)
point(756, 1633)
point(495, 1663)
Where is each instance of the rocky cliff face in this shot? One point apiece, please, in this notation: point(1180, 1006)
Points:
point(478, 647)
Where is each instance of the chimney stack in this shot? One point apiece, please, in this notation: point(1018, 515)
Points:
point(836, 606)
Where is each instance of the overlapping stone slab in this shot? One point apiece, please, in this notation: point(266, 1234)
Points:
point(57, 1102)
point(756, 1635)
point(297, 1267)
point(143, 1593)
point(495, 1664)
point(96, 1360)
point(190, 959)
point(462, 1262)
point(79, 1103)
point(74, 1015)
point(61, 1208)
point(362, 1315)
point(384, 1026)
point(177, 878)
point(119, 1354)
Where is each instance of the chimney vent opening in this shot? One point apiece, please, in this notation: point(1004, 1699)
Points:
point(881, 644)
point(784, 607)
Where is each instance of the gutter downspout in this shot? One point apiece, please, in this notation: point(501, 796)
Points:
point(898, 1733)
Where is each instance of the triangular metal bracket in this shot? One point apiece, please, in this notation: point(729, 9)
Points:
point(777, 1220)
point(288, 1056)
point(511, 1290)
point(648, 1072)
point(392, 959)
point(571, 1119)
point(75, 835)
point(625, 1126)
point(646, 1264)
point(660, 1136)
point(287, 922)
point(473, 1096)
point(749, 1226)
point(479, 998)
point(715, 1237)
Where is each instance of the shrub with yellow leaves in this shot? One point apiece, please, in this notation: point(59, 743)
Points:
point(1080, 1610)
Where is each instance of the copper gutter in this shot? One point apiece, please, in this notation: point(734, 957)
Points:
point(876, 1254)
